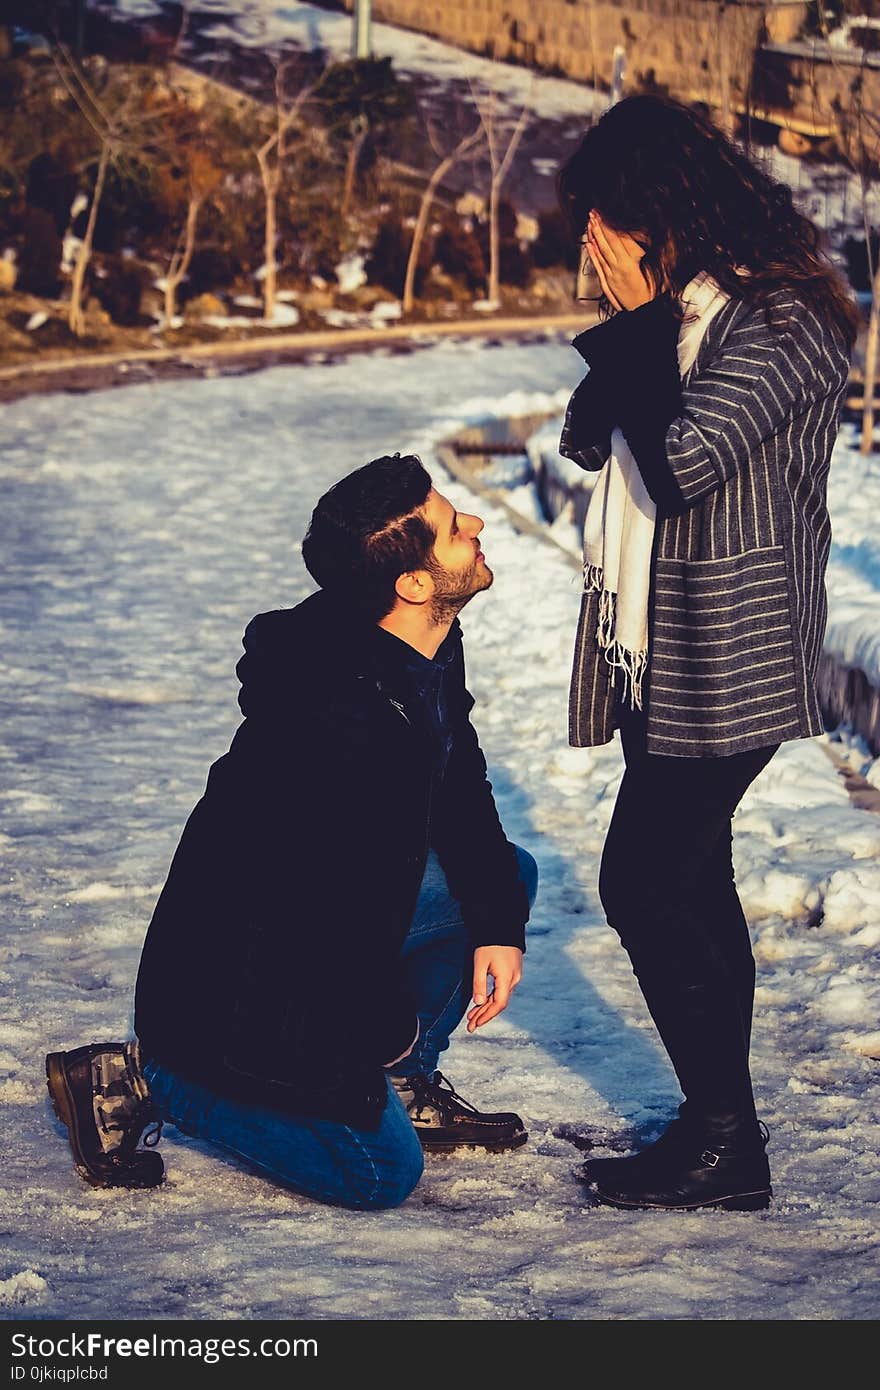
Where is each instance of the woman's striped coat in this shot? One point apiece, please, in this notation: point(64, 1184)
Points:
point(738, 604)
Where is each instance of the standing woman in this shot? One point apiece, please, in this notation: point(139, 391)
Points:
point(711, 406)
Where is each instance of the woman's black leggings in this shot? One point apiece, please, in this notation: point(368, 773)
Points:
point(667, 886)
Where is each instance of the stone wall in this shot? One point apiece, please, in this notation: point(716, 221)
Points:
point(685, 45)
point(827, 96)
point(698, 50)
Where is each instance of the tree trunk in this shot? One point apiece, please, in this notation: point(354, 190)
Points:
point(872, 353)
point(499, 174)
point(354, 150)
point(494, 256)
point(434, 182)
point(180, 262)
point(270, 284)
point(171, 283)
point(418, 237)
point(271, 179)
point(419, 231)
point(75, 318)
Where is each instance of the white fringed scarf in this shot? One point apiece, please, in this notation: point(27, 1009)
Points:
point(621, 517)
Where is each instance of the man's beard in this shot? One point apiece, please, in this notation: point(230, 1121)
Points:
point(454, 589)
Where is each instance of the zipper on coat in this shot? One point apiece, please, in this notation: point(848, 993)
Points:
point(427, 844)
point(400, 710)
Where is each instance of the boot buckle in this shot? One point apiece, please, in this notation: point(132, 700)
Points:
point(709, 1159)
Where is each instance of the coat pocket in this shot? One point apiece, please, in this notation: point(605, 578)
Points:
point(722, 664)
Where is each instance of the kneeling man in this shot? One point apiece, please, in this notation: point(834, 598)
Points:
point(340, 893)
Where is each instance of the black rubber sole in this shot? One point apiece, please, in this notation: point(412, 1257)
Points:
point(735, 1201)
point(65, 1109)
point(448, 1146)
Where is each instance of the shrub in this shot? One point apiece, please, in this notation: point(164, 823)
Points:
point(386, 263)
point(118, 285)
point(11, 85)
point(855, 250)
point(457, 251)
point(231, 225)
point(212, 267)
point(363, 88)
point(10, 202)
point(51, 185)
point(128, 207)
point(514, 264)
point(311, 242)
point(554, 245)
point(39, 253)
point(506, 220)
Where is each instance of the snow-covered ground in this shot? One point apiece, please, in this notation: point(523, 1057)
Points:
point(143, 528)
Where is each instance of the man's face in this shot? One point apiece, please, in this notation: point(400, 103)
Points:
point(459, 569)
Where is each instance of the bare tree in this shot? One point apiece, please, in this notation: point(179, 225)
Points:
point(464, 147)
point(500, 166)
point(361, 99)
point(183, 30)
point(80, 89)
point(122, 125)
point(75, 317)
point(202, 177)
point(181, 256)
point(360, 129)
point(270, 156)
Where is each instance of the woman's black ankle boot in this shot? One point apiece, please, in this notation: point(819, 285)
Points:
point(664, 1149)
point(718, 1165)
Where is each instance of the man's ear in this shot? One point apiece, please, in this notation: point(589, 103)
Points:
point(416, 586)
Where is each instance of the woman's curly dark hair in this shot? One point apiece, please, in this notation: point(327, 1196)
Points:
point(664, 172)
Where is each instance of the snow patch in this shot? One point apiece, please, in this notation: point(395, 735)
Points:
point(351, 273)
point(23, 1288)
point(103, 893)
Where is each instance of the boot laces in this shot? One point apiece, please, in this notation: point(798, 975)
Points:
point(122, 1106)
point(147, 1119)
point(145, 1126)
point(439, 1091)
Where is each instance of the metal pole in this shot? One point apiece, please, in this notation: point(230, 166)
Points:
point(362, 45)
point(618, 71)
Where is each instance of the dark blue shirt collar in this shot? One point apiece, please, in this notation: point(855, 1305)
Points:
point(397, 655)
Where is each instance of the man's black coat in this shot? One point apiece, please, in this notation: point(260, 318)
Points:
point(271, 968)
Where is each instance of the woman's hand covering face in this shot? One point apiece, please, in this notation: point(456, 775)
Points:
point(617, 258)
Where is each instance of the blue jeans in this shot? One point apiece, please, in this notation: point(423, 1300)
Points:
point(366, 1170)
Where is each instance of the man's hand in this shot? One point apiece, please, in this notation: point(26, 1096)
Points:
point(617, 259)
point(504, 964)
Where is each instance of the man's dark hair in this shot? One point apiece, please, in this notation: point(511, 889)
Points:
point(368, 530)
